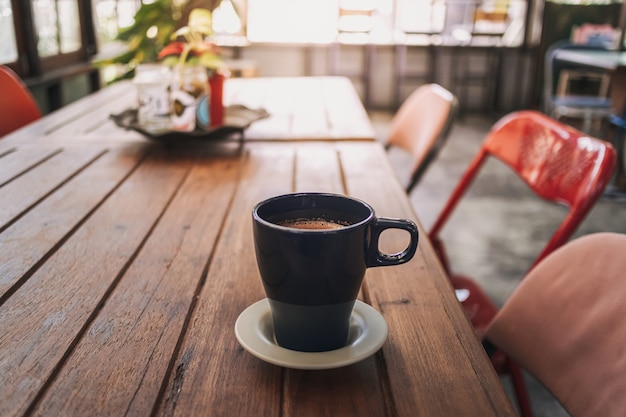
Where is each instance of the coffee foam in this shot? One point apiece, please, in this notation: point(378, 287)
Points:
point(311, 224)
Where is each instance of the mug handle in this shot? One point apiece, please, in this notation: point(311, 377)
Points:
point(376, 257)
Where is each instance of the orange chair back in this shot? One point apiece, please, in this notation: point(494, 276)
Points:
point(421, 126)
point(558, 162)
point(17, 105)
point(564, 323)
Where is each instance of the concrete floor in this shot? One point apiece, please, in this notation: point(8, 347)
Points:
point(500, 226)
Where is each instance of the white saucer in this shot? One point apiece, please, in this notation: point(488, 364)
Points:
point(255, 332)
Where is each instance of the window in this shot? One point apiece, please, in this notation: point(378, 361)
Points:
point(324, 21)
point(55, 35)
point(303, 20)
point(8, 46)
point(423, 16)
point(44, 35)
point(111, 15)
point(350, 21)
point(60, 42)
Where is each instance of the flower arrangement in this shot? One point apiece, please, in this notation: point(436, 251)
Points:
point(152, 29)
point(195, 49)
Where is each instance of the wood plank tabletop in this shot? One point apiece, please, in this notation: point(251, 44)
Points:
point(300, 109)
point(125, 264)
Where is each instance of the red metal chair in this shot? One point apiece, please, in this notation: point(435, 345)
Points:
point(17, 106)
point(560, 164)
point(564, 324)
point(421, 126)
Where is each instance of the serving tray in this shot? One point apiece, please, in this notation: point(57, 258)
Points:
point(237, 118)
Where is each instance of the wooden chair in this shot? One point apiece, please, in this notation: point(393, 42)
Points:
point(421, 126)
point(17, 105)
point(564, 323)
point(560, 164)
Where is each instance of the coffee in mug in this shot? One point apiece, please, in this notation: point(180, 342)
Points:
point(312, 251)
point(311, 224)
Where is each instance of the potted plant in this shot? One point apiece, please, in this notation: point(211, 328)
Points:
point(194, 48)
point(160, 35)
point(151, 31)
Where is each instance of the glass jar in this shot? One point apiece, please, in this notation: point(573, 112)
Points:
point(189, 98)
point(153, 110)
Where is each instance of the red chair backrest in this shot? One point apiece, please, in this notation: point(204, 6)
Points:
point(558, 162)
point(17, 106)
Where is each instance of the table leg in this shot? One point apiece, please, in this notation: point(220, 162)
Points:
point(618, 96)
point(618, 188)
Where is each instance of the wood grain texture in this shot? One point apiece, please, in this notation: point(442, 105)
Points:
point(212, 370)
point(301, 109)
point(124, 265)
point(427, 328)
point(15, 163)
point(44, 318)
point(35, 236)
point(138, 328)
point(34, 185)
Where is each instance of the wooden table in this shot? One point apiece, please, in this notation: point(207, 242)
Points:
point(125, 264)
point(301, 108)
point(613, 62)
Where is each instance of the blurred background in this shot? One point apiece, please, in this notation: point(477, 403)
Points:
point(488, 52)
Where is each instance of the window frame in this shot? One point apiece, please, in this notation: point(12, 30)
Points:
point(29, 64)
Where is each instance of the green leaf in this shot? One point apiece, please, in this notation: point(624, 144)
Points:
point(201, 21)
